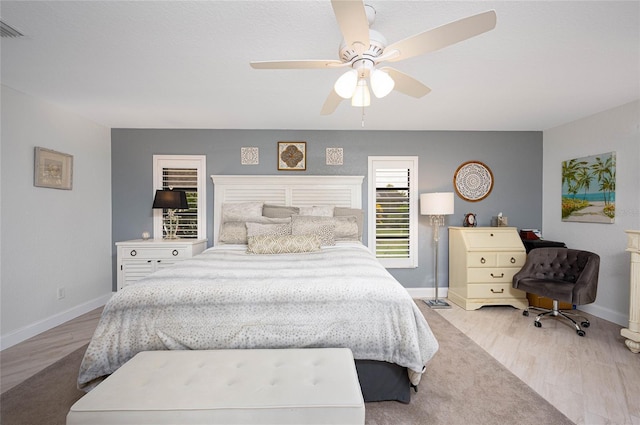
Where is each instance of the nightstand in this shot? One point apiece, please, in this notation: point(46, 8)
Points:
point(139, 258)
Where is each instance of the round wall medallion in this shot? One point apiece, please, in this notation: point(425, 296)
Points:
point(473, 181)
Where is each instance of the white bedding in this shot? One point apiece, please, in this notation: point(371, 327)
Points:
point(225, 298)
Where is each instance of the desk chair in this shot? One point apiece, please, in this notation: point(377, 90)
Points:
point(561, 274)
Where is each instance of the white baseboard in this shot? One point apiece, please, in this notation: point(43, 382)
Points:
point(29, 331)
point(606, 314)
point(428, 293)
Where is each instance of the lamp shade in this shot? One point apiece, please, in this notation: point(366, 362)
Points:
point(381, 83)
point(438, 203)
point(170, 199)
point(345, 86)
point(361, 97)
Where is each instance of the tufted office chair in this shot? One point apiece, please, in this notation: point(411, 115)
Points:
point(561, 274)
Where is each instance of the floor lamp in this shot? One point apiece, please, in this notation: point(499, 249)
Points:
point(436, 206)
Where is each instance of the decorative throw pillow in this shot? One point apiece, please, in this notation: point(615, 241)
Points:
point(271, 244)
point(241, 211)
point(235, 232)
point(355, 212)
point(318, 210)
point(321, 226)
point(256, 229)
point(279, 211)
point(346, 228)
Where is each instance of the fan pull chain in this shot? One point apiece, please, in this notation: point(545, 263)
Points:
point(363, 117)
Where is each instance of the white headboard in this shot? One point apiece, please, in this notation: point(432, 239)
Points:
point(300, 191)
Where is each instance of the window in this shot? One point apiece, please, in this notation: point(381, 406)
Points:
point(393, 216)
point(187, 173)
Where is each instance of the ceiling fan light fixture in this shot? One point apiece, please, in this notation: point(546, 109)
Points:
point(345, 86)
point(361, 97)
point(381, 83)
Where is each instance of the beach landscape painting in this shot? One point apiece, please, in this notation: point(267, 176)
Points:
point(589, 189)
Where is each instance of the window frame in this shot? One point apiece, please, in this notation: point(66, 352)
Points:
point(199, 162)
point(382, 162)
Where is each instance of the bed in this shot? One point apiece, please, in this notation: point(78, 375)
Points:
point(237, 295)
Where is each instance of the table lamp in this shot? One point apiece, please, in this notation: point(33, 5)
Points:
point(171, 200)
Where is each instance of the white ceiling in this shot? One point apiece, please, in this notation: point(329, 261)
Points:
point(185, 64)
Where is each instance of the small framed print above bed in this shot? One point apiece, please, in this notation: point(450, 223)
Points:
point(292, 156)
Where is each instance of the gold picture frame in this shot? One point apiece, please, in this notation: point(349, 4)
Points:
point(52, 169)
point(292, 156)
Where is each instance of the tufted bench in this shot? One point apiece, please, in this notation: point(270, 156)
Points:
point(285, 386)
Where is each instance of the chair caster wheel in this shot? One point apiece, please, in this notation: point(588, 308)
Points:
point(537, 324)
point(580, 332)
point(585, 324)
point(525, 313)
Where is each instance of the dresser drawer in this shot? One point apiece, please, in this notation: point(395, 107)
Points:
point(492, 239)
point(486, 275)
point(511, 259)
point(149, 252)
point(482, 259)
point(493, 290)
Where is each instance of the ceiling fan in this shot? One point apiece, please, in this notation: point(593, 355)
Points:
point(364, 49)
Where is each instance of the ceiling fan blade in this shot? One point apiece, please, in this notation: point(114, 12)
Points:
point(353, 23)
point(443, 36)
point(331, 104)
point(297, 64)
point(406, 84)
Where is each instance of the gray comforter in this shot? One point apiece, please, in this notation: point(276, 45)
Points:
point(225, 298)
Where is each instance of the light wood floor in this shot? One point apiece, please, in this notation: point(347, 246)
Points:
point(593, 380)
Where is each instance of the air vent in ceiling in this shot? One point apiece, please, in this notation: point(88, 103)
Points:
point(8, 31)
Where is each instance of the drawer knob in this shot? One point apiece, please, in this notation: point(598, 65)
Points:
point(492, 234)
point(174, 252)
point(513, 260)
point(133, 253)
point(482, 260)
point(501, 291)
point(497, 277)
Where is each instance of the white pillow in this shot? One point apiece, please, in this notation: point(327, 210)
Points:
point(241, 211)
point(318, 210)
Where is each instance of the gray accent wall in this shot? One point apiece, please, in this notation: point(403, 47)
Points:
point(515, 158)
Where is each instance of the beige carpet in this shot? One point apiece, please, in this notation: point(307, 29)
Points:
point(463, 385)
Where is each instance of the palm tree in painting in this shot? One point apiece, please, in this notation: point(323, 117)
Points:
point(605, 171)
point(584, 178)
point(570, 171)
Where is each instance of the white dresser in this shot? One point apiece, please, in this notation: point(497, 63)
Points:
point(482, 262)
point(139, 258)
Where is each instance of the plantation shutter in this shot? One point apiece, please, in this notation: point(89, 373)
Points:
point(392, 213)
point(393, 238)
point(185, 173)
point(184, 179)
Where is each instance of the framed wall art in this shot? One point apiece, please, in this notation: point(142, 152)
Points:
point(292, 156)
point(335, 156)
point(249, 156)
point(589, 189)
point(53, 169)
point(473, 181)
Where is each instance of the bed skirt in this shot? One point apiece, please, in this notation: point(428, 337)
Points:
point(383, 381)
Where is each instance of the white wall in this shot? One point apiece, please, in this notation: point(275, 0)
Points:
point(615, 130)
point(51, 238)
